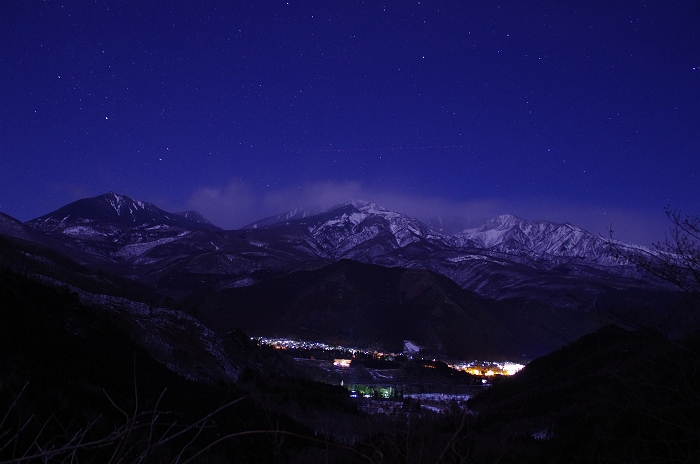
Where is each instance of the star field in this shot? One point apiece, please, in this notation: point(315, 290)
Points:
point(585, 112)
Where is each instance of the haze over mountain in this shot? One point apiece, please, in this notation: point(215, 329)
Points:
point(544, 275)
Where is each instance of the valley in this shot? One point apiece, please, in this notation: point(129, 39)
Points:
point(380, 335)
point(344, 365)
point(381, 381)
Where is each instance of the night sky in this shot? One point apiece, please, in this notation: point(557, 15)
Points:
point(586, 112)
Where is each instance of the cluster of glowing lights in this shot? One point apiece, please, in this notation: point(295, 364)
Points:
point(488, 369)
point(478, 368)
point(288, 344)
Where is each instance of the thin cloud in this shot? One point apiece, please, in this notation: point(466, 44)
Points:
point(228, 207)
point(236, 205)
point(320, 195)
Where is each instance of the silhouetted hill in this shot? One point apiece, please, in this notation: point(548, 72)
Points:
point(355, 304)
point(71, 376)
point(117, 210)
point(612, 396)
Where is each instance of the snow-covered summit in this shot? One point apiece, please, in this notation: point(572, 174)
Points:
point(353, 227)
point(362, 205)
point(359, 226)
point(124, 205)
point(308, 211)
point(113, 217)
point(283, 218)
point(510, 234)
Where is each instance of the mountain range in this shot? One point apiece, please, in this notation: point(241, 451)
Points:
point(355, 273)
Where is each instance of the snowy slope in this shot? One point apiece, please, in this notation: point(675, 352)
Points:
point(503, 257)
point(119, 212)
point(358, 227)
point(109, 225)
point(538, 240)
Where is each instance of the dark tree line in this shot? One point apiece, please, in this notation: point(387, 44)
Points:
point(675, 261)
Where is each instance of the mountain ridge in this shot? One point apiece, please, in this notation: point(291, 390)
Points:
point(507, 259)
point(490, 234)
point(505, 249)
point(115, 209)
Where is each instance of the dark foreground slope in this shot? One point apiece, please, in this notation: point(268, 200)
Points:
point(75, 388)
point(73, 382)
point(612, 396)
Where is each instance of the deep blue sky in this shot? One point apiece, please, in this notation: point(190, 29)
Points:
point(587, 112)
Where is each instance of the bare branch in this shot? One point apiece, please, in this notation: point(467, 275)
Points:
point(280, 432)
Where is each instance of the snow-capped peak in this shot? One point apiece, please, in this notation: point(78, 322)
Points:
point(511, 234)
point(501, 222)
point(310, 211)
point(113, 212)
point(364, 206)
point(122, 203)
